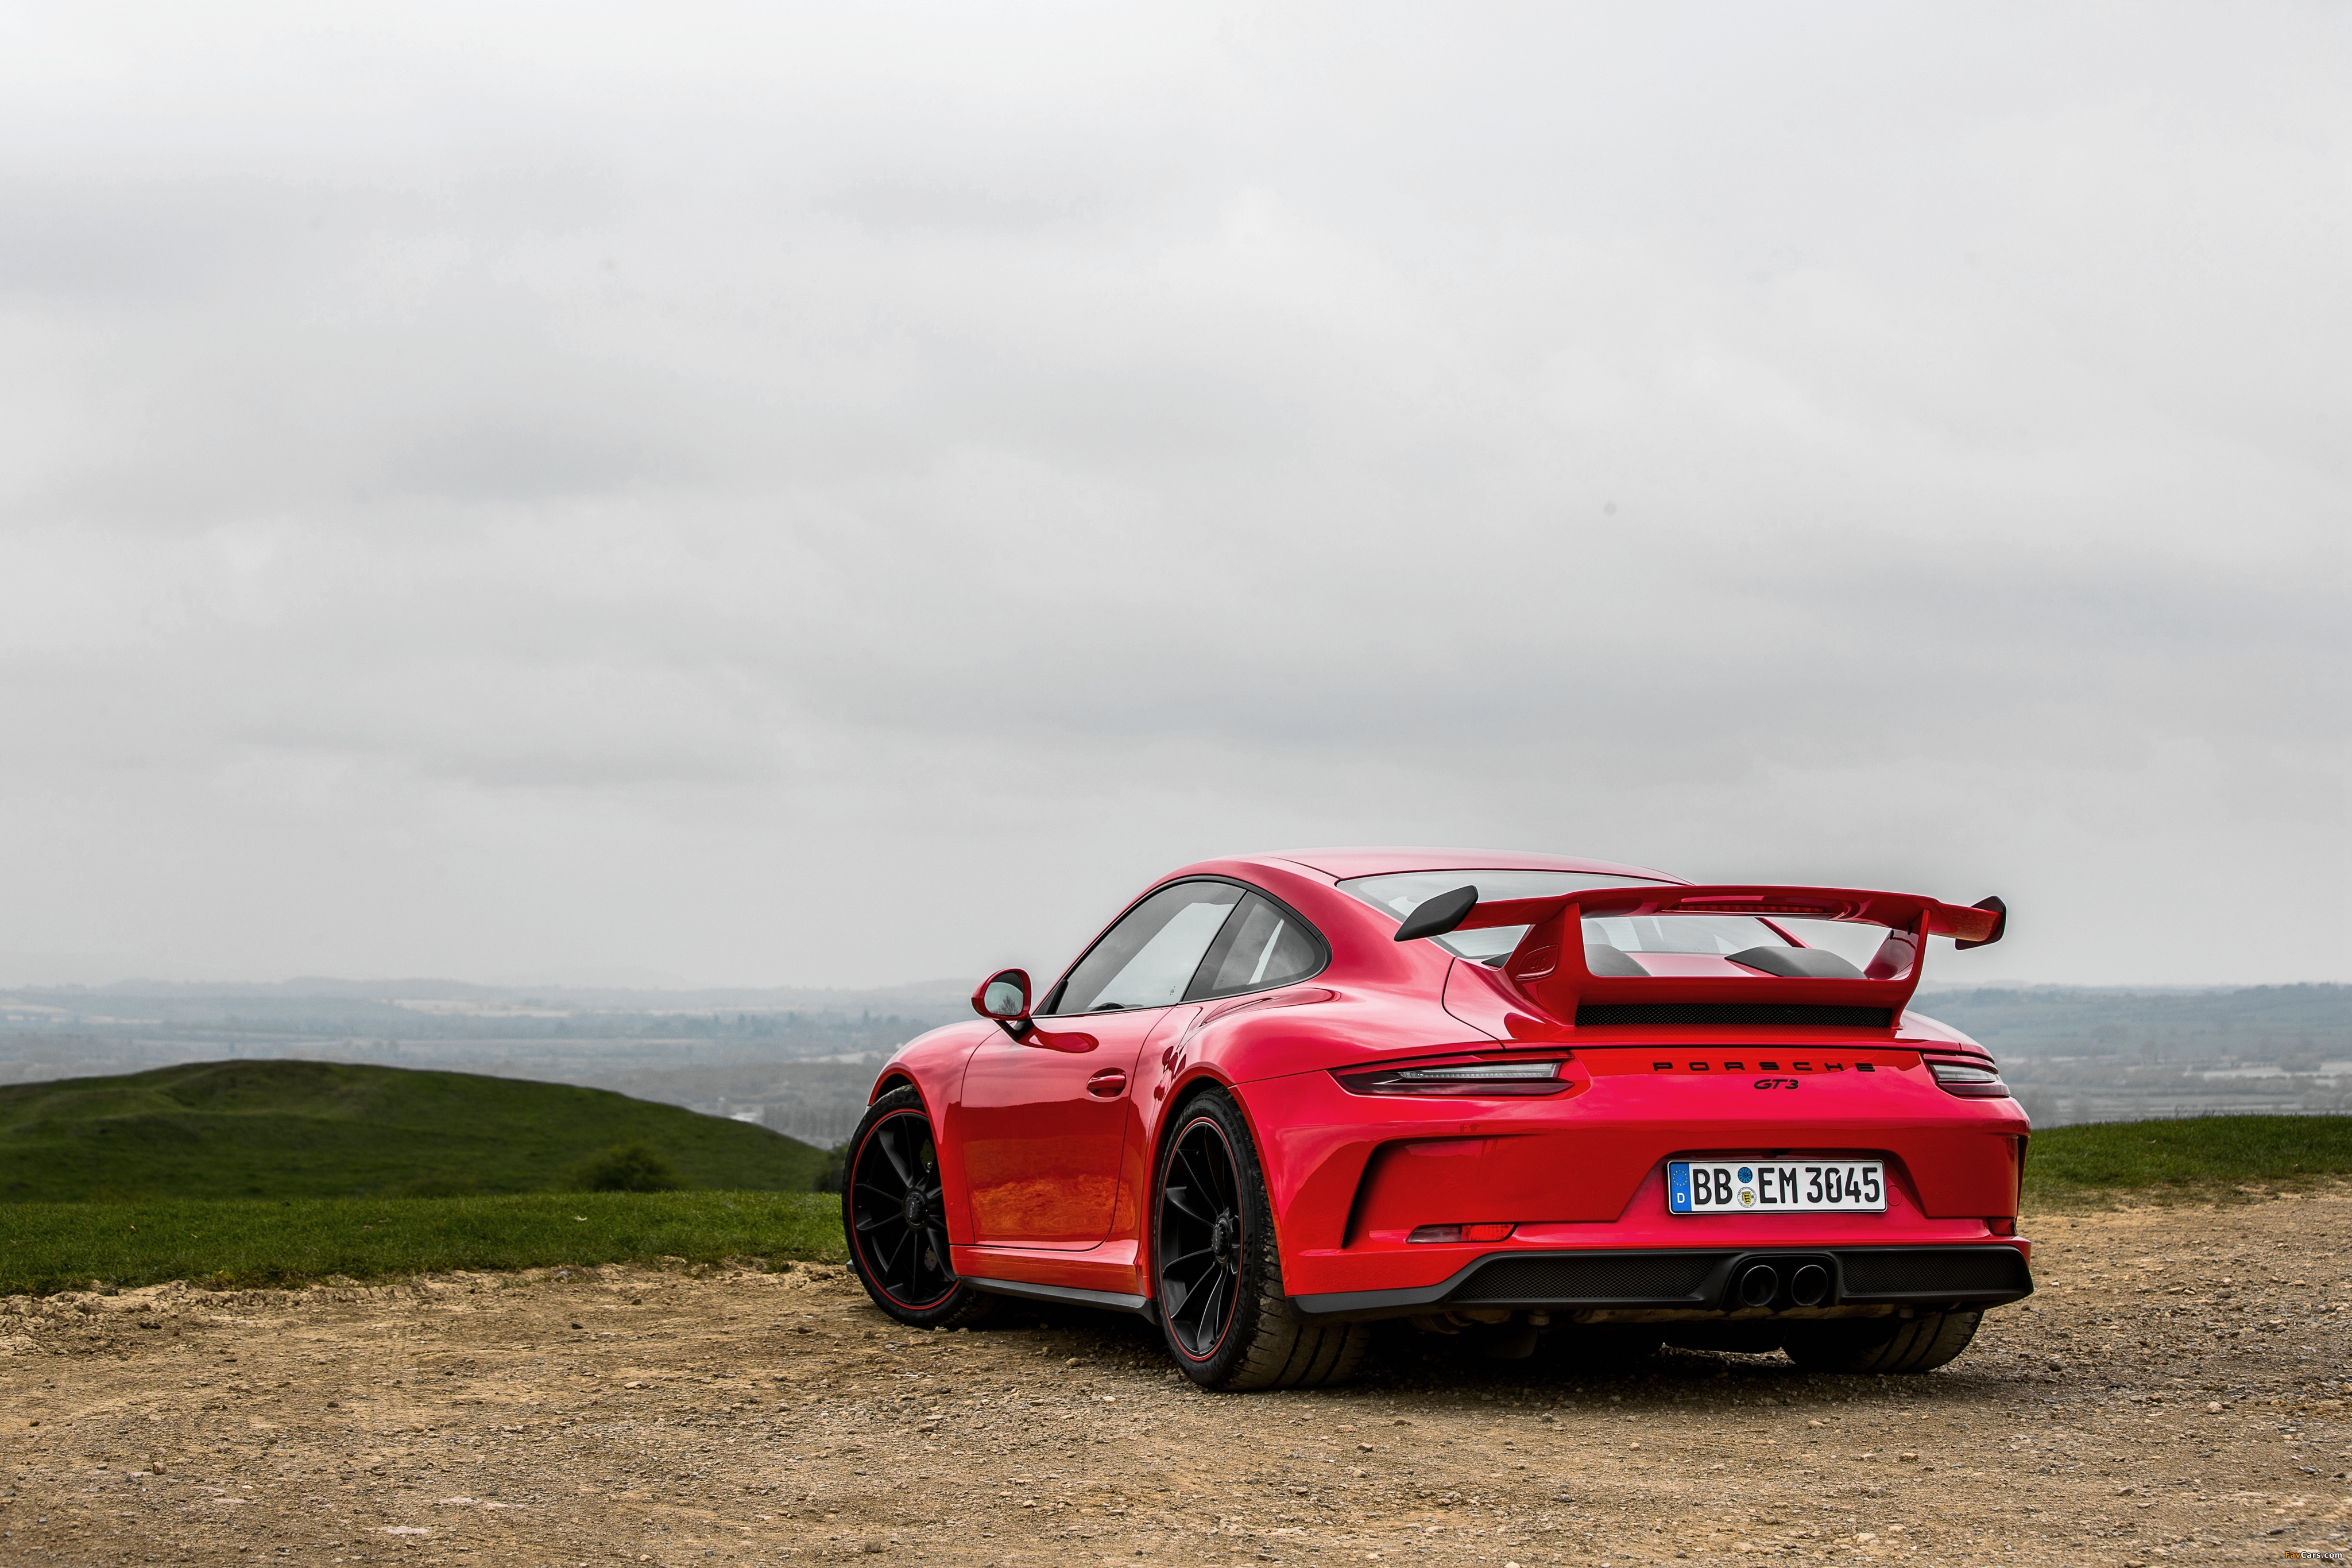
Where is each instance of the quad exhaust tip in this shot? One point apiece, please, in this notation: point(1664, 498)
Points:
point(1760, 1285)
point(1809, 1286)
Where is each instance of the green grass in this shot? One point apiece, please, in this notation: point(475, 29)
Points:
point(47, 1246)
point(2204, 1157)
point(313, 1129)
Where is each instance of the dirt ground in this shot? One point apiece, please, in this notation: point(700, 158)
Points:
point(2174, 1394)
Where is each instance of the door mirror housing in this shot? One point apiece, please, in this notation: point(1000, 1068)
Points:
point(1004, 999)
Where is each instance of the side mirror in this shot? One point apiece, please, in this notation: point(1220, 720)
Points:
point(1004, 999)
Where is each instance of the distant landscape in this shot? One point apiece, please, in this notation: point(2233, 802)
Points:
point(798, 1061)
point(2078, 1054)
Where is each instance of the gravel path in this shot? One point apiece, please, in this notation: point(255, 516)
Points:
point(2175, 1393)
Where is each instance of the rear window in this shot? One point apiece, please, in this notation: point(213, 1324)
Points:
point(1403, 892)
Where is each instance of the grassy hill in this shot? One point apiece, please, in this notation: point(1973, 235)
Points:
point(2203, 1158)
point(280, 1129)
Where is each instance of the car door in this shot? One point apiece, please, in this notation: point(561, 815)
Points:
point(1044, 1117)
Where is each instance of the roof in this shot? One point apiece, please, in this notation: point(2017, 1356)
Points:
point(1372, 861)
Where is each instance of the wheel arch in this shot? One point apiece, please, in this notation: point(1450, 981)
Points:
point(894, 1079)
point(1201, 1081)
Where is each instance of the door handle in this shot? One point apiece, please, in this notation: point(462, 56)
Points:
point(1106, 1083)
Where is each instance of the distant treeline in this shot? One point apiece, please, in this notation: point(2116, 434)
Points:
point(2251, 1023)
point(304, 1018)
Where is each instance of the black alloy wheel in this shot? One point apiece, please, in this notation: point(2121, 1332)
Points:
point(1216, 1273)
point(894, 1212)
point(1202, 1231)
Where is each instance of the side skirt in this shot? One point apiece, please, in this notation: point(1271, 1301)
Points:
point(1110, 1299)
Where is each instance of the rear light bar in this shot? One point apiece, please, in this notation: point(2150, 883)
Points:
point(1970, 1083)
point(1462, 1232)
point(1482, 1079)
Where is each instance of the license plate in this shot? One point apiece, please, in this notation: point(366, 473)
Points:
point(1776, 1187)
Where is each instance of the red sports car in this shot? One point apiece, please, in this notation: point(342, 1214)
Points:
point(1518, 1097)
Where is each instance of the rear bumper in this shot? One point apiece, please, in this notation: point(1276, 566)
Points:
point(1351, 1176)
point(1669, 1283)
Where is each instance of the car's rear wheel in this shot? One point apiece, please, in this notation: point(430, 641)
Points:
point(1918, 1344)
point(893, 1213)
point(1217, 1273)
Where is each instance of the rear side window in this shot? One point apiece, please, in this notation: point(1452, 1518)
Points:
point(1148, 960)
point(1262, 944)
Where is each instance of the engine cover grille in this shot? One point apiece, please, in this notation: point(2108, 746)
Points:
point(1741, 1014)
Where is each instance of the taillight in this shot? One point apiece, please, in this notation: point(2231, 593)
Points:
point(1969, 1081)
point(1457, 1077)
point(1462, 1232)
point(2002, 1224)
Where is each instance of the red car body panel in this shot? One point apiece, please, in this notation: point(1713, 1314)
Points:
point(1047, 1144)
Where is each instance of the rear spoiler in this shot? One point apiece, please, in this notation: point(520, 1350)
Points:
point(1553, 970)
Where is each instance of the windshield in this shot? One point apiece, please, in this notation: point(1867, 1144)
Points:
point(1401, 893)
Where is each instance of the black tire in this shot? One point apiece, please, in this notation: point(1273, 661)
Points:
point(894, 1219)
point(1881, 1344)
point(1216, 1272)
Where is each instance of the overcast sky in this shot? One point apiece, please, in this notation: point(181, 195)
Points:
point(843, 493)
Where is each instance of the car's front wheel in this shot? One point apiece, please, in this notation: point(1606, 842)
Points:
point(1217, 1273)
point(895, 1217)
point(1919, 1344)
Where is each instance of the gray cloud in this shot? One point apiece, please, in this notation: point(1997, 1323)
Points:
point(820, 496)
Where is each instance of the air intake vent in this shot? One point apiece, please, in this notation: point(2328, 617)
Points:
point(1741, 1015)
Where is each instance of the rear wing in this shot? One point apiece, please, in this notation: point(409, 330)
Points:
point(1552, 965)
